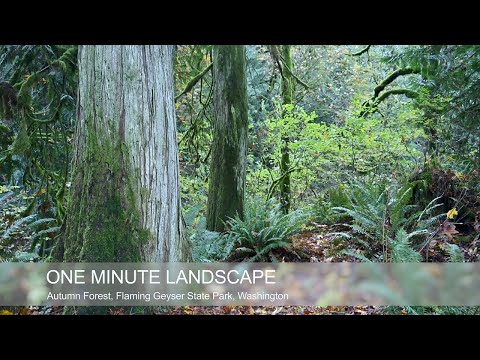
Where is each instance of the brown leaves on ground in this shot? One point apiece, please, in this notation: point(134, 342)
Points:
point(448, 229)
point(32, 310)
point(270, 310)
point(322, 244)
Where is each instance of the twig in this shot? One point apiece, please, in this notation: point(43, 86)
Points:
point(364, 50)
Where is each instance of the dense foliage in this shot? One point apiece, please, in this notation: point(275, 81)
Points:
point(383, 144)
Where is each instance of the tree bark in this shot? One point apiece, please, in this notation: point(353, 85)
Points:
point(226, 190)
point(125, 201)
point(288, 86)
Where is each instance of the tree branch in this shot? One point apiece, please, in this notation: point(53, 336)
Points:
point(294, 76)
point(277, 181)
point(390, 78)
point(407, 92)
point(275, 56)
point(193, 82)
point(364, 50)
point(370, 106)
point(281, 64)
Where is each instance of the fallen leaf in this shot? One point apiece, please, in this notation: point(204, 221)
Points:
point(449, 230)
point(227, 309)
point(24, 311)
point(187, 310)
point(277, 310)
point(360, 312)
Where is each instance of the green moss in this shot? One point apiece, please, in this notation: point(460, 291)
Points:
point(22, 144)
point(287, 98)
point(104, 222)
point(226, 182)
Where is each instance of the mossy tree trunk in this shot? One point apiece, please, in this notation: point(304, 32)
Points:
point(125, 203)
point(288, 88)
point(226, 190)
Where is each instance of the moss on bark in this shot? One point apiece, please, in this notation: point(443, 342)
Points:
point(124, 201)
point(288, 86)
point(103, 224)
point(226, 190)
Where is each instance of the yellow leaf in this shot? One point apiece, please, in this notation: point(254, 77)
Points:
point(452, 213)
point(41, 191)
point(6, 312)
point(24, 311)
point(187, 310)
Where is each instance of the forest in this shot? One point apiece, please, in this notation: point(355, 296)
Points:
point(240, 153)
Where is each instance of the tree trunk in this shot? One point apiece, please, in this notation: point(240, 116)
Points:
point(125, 202)
point(226, 190)
point(288, 83)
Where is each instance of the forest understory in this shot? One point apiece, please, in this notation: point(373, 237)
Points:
point(314, 245)
point(268, 153)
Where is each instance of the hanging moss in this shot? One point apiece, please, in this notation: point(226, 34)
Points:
point(22, 144)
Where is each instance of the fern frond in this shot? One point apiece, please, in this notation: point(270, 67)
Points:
point(429, 208)
point(22, 256)
point(41, 222)
point(16, 225)
point(455, 253)
point(40, 234)
point(402, 250)
point(356, 255)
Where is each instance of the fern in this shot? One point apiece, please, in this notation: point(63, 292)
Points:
point(455, 253)
point(38, 236)
point(17, 224)
point(264, 228)
point(356, 255)
point(382, 214)
point(402, 250)
point(191, 214)
point(40, 222)
point(208, 245)
point(22, 256)
point(7, 198)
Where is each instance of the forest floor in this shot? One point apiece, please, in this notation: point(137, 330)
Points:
point(316, 244)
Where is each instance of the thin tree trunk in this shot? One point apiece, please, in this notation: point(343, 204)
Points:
point(288, 83)
point(125, 202)
point(226, 190)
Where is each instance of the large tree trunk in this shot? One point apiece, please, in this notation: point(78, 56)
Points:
point(125, 202)
point(226, 190)
point(288, 83)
